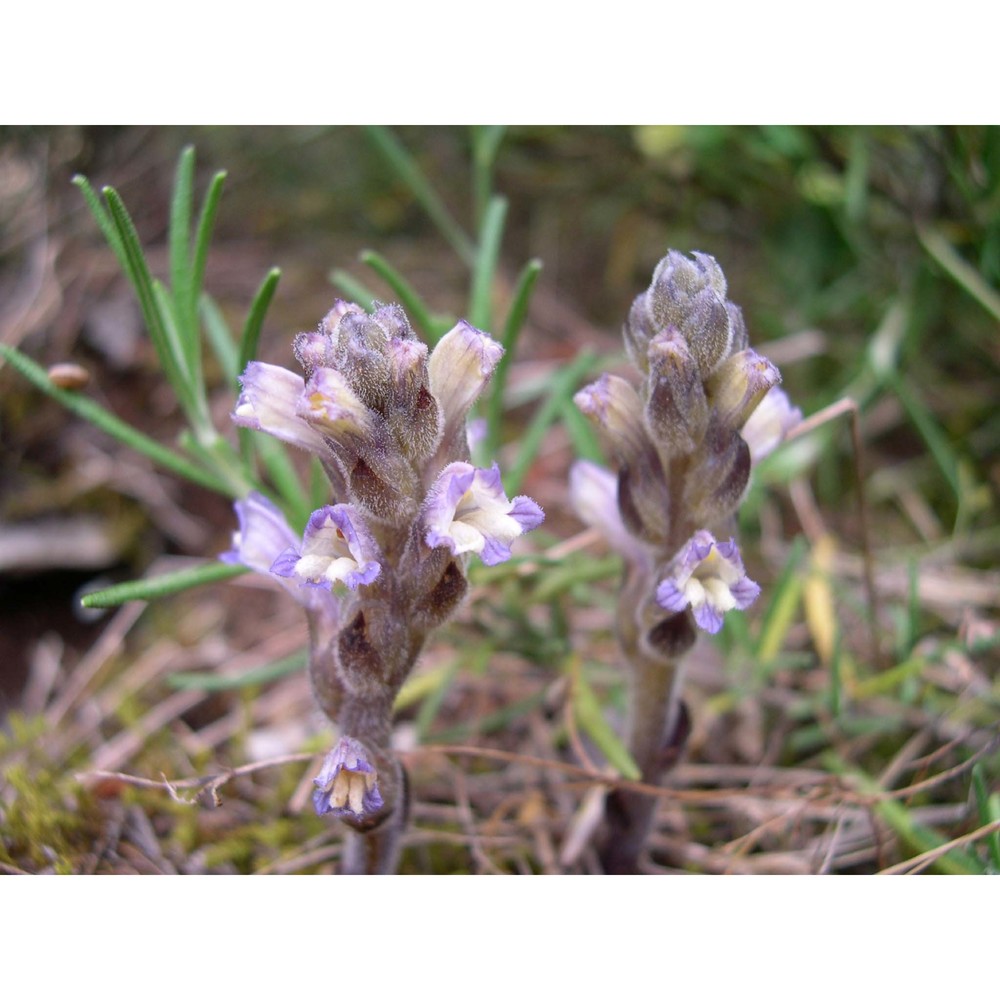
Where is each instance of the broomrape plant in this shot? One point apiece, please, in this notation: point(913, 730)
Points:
point(384, 565)
point(684, 442)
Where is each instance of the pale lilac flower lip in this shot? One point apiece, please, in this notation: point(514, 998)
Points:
point(347, 784)
point(467, 511)
point(263, 536)
point(270, 401)
point(336, 547)
point(593, 492)
point(709, 576)
point(459, 368)
point(328, 403)
point(770, 423)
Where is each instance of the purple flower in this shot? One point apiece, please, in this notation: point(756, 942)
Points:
point(336, 546)
point(459, 368)
point(329, 404)
point(708, 576)
point(262, 534)
point(468, 511)
point(769, 424)
point(593, 492)
point(262, 537)
point(270, 401)
point(347, 784)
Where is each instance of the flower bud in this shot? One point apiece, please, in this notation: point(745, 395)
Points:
point(677, 410)
point(739, 384)
point(412, 412)
point(459, 368)
point(690, 295)
point(331, 406)
point(715, 488)
point(615, 408)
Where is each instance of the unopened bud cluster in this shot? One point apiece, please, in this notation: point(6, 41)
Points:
point(685, 441)
point(384, 563)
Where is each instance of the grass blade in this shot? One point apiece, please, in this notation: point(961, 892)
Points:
point(512, 329)
point(220, 339)
point(255, 318)
point(203, 235)
point(989, 812)
point(486, 141)
point(205, 681)
point(962, 273)
point(162, 586)
point(485, 269)
point(936, 440)
point(581, 434)
point(590, 718)
point(181, 283)
point(137, 270)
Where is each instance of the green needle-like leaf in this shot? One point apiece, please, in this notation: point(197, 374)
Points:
point(103, 219)
point(485, 269)
point(255, 318)
point(512, 329)
point(220, 339)
point(203, 235)
point(408, 296)
point(84, 406)
point(142, 282)
point(415, 179)
point(181, 278)
point(590, 718)
point(161, 586)
point(357, 291)
point(204, 681)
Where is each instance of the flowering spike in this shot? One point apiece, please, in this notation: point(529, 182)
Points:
point(389, 422)
point(709, 577)
point(467, 511)
point(347, 784)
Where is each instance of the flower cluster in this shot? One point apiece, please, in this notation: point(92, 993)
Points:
point(385, 562)
point(685, 441)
